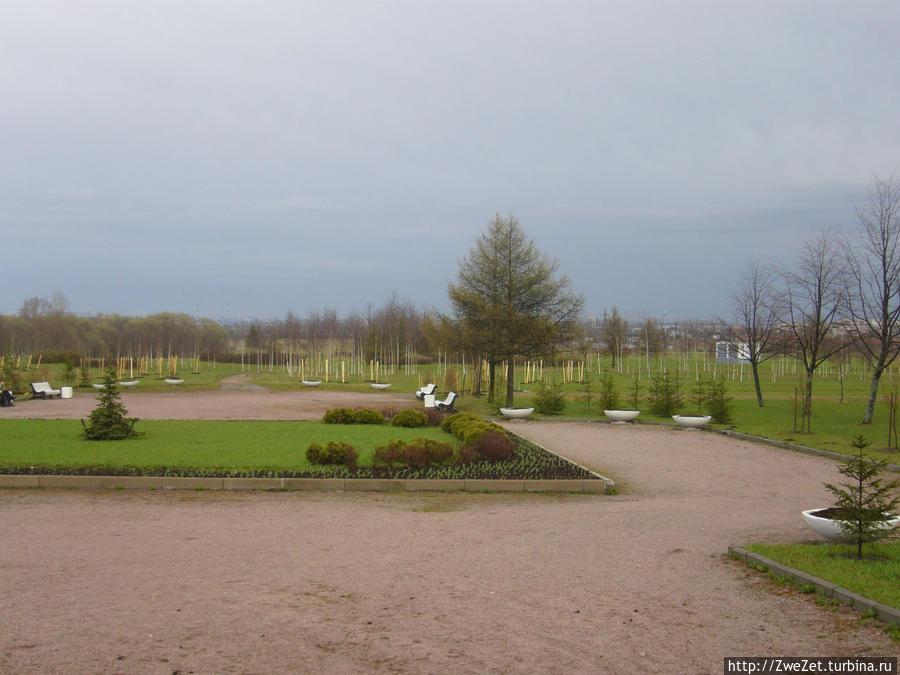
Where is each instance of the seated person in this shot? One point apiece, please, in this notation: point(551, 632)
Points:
point(6, 396)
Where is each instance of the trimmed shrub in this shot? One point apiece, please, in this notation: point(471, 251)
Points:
point(473, 431)
point(336, 452)
point(367, 416)
point(469, 428)
point(467, 455)
point(433, 417)
point(450, 422)
point(391, 453)
point(388, 413)
point(421, 453)
point(409, 418)
point(350, 455)
point(338, 416)
point(315, 454)
point(494, 447)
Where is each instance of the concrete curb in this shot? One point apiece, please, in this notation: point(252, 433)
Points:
point(586, 486)
point(885, 613)
point(790, 446)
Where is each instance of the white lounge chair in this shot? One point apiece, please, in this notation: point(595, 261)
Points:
point(425, 391)
point(447, 403)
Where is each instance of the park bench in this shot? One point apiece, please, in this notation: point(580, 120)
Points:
point(447, 403)
point(43, 390)
point(427, 390)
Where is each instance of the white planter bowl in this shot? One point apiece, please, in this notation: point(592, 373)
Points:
point(622, 416)
point(174, 380)
point(128, 383)
point(380, 385)
point(831, 529)
point(311, 383)
point(516, 413)
point(692, 421)
point(99, 386)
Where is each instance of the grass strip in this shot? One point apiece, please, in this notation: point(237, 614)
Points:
point(876, 576)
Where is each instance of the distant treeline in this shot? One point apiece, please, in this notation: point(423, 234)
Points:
point(395, 333)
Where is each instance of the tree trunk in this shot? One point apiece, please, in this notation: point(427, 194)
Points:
point(510, 377)
point(807, 400)
point(873, 394)
point(755, 368)
point(491, 380)
point(476, 366)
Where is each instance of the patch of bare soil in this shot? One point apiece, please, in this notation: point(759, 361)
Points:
point(162, 582)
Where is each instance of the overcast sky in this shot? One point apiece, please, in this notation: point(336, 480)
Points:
point(228, 158)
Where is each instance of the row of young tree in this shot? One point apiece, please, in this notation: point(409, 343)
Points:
point(841, 292)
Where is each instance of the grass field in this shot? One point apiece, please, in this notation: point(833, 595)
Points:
point(840, 391)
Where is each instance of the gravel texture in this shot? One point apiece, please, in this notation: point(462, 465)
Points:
point(256, 582)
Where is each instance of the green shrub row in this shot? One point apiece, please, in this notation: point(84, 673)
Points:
point(469, 429)
point(409, 418)
point(419, 453)
point(348, 416)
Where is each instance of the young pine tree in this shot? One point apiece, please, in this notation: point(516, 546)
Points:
point(108, 421)
point(865, 502)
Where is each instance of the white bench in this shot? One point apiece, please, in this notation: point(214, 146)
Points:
point(43, 390)
point(447, 403)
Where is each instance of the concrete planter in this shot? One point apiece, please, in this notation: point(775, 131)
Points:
point(174, 380)
point(516, 413)
point(380, 385)
point(692, 421)
point(622, 416)
point(831, 529)
point(311, 383)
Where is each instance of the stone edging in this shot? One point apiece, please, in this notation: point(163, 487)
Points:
point(592, 486)
point(886, 613)
point(791, 446)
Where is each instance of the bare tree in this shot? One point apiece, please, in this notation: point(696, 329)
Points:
point(812, 303)
point(614, 328)
point(873, 262)
point(755, 318)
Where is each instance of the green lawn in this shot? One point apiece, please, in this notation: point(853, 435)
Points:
point(253, 446)
point(247, 449)
point(877, 576)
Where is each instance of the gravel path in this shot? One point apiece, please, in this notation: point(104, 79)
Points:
point(163, 582)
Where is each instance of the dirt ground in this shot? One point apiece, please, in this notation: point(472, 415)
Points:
point(246, 582)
